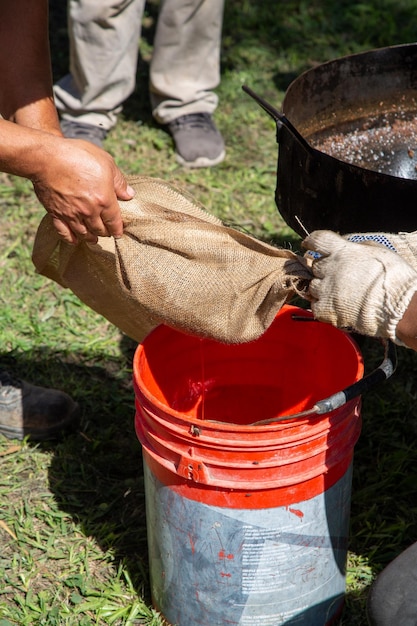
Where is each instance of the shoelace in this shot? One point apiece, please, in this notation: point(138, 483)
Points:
point(194, 120)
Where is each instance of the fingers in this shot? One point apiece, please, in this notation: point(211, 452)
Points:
point(108, 223)
point(64, 231)
point(314, 289)
point(72, 233)
point(84, 227)
point(111, 217)
point(324, 242)
point(323, 247)
point(122, 189)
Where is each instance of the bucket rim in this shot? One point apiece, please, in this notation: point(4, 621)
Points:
point(284, 421)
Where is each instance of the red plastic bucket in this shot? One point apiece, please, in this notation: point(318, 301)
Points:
point(247, 524)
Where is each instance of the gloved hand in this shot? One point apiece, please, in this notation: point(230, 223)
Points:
point(358, 287)
point(404, 244)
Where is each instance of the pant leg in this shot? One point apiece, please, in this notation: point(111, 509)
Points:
point(185, 65)
point(392, 600)
point(104, 43)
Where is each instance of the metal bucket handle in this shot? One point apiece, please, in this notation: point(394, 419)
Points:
point(338, 399)
point(280, 118)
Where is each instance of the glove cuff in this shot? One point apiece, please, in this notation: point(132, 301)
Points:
point(404, 244)
point(402, 303)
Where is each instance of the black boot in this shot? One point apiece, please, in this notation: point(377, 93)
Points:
point(392, 600)
point(37, 412)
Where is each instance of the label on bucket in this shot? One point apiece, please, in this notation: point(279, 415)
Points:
point(212, 566)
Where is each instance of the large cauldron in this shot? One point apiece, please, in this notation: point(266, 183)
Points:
point(347, 135)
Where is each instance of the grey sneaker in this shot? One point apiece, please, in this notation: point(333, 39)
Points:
point(197, 141)
point(78, 130)
point(37, 412)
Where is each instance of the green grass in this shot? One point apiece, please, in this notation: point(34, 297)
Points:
point(72, 520)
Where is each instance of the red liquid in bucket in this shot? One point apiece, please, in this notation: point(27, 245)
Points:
point(247, 524)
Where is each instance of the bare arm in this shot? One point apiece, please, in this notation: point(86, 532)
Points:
point(407, 326)
point(25, 69)
point(77, 183)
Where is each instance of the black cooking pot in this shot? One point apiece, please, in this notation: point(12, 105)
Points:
point(347, 135)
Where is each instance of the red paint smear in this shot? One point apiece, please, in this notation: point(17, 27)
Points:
point(296, 512)
point(225, 575)
point(192, 544)
point(223, 555)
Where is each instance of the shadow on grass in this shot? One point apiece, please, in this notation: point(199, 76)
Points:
point(95, 474)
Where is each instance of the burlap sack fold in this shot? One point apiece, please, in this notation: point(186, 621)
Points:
point(175, 264)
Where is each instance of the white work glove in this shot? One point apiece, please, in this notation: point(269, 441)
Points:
point(404, 244)
point(366, 289)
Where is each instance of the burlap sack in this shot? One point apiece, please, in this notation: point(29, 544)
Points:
point(175, 264)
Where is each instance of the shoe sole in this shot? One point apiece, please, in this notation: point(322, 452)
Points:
point(201, 161)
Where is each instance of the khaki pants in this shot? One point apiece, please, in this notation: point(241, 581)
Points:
point(104, 40)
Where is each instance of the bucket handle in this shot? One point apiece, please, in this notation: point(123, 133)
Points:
point(338, 399)
point(279, 118)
